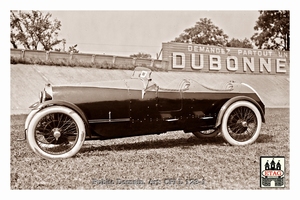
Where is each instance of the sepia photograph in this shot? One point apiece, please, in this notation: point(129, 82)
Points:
point(148, 99)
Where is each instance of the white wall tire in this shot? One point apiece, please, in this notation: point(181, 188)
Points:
point(241, 123)
point(207, 133)
point(56, 132)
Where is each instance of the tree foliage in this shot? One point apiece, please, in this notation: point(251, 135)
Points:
point(273, 30)
point(73, 49)
point(204, 32)
point(246, 43)
point(140, 55)
point(31, 29)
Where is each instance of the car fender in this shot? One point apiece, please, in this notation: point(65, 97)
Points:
point(235, 99)
point(39, 106)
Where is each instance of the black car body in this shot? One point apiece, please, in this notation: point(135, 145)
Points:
point(65, 116)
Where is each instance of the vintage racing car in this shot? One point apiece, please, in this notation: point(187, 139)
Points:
point(66, 116)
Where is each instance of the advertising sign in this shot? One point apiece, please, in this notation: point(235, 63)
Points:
point(204, 58)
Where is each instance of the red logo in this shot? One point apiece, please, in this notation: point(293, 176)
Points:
point(272, 173)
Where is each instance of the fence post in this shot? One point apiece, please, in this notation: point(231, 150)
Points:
point(93, 58)
point(23, 53)
point(152, 63)
point(114, 60)
point(134, 61)
point(71, 55)
point(47, 55)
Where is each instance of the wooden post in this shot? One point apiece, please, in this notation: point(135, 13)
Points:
point(47, 55)
point(71, 55)
point(133, 61)
point(23, 54)
point(114, 60)
point(152, 63)
point(93, 58)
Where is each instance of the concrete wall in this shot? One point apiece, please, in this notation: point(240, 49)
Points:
point(28, 80)
point(84, 57)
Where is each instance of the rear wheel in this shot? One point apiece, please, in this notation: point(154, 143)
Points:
point(207, 133)
point(241, 123)
point(56, 132)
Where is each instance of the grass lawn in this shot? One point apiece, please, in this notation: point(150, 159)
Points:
point(173, 160)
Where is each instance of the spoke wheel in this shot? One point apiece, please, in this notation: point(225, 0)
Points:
point(241, 123)
point(56, 132)
point(207, 133)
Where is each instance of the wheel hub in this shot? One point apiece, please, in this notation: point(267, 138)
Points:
point(244, 124)
point(56, 133)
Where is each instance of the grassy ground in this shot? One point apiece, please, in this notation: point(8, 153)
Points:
point(173, 160)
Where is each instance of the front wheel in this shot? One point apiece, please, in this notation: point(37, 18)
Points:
point(56, 132)
point(241, 123)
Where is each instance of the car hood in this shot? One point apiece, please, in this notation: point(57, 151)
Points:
point(121, 84)
point(94, 91)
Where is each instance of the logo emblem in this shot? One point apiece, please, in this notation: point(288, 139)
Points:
point(272, 171)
